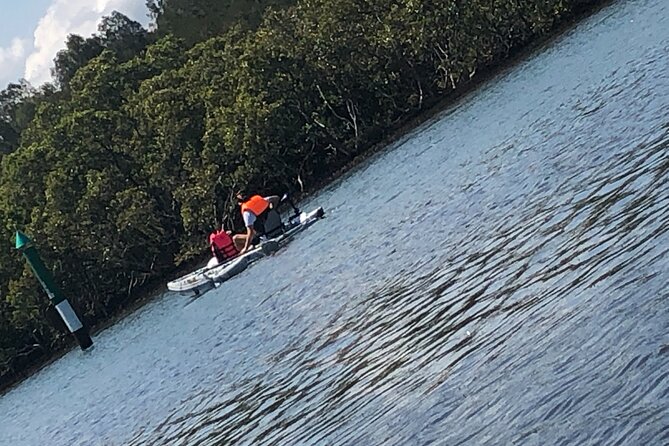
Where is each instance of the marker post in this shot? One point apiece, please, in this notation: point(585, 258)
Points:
point(67, 313)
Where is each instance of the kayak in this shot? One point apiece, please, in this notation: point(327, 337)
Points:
point(214, 274)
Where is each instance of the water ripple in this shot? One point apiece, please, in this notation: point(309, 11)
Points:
point(511, 287)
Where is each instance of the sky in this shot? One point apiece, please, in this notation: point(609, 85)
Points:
point(33, 31)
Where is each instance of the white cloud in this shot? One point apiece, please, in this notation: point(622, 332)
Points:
point(11, 60)
point(66, 17)
point(13, 52)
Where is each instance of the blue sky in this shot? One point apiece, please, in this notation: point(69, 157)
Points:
point(20, 20)
point(32, 32)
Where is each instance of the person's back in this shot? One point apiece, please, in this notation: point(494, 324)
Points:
point(222, 246)
point(254, 209)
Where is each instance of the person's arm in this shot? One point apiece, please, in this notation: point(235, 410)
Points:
point(250, 233)
point(273, 200)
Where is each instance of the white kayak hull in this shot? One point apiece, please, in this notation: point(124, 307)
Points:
point(213, 274)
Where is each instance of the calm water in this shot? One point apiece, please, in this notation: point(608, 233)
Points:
point(500, 276)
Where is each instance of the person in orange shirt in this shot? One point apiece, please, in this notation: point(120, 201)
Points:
point(253, 210)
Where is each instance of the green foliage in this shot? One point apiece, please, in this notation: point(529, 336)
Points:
point(119, 173)
point(17, 108)
point(78, 51)
point(198, 20)
point(118, 34)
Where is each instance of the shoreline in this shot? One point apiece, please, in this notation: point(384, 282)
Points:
point(431, 110)
point(436, 106)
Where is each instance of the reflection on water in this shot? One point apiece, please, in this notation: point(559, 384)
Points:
point(510, 286)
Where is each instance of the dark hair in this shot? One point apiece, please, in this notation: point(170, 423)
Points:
point(241, 193)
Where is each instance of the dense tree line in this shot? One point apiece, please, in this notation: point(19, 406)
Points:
point(197, 20)
point(120, 168)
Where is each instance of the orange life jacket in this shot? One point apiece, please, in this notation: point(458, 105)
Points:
point(256, 205)
point(222, 245)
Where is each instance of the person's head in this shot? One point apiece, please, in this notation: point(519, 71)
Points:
point(241, 196)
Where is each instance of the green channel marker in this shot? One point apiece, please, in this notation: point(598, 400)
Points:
point(67, 313)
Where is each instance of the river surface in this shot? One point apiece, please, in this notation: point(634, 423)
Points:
point(498, 276)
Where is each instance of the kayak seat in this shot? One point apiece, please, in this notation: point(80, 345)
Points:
point(272, 224)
